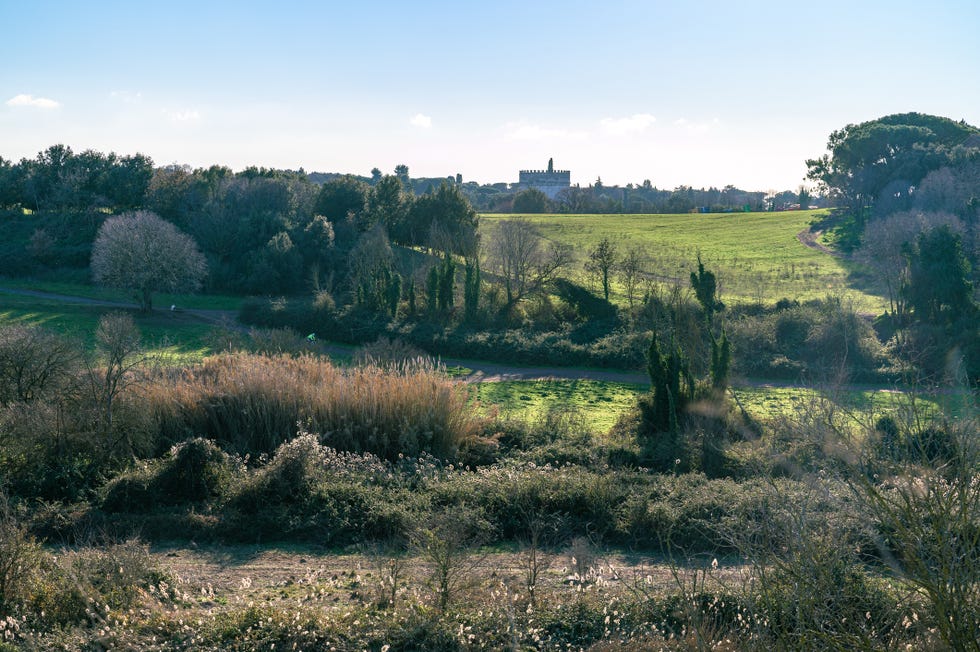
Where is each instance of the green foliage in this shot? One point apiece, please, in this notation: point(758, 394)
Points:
point(58, 178)
point(925, 510)
point(432, 289)
point(471, 290)
point(305, 315)
point(721, 356)
point(342, 197)
point(704, 285)
point(444, 219)
point(671, 388)
point(585, 305)
point(938, 288)
point(818, 340)
point(530, 200)
point(21, 557)
point(447, 284)
point(194, 471)
point(311, 492)
point(602, 259)
point(411, 297)
point(893, 153)
point(389, 205)
point(380, 292)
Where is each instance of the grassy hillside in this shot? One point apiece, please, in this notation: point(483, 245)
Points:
point(176, 337)
point(756, 256)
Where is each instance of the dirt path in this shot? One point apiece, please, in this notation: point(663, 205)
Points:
point(252, 571)
point(811, 239)
point(480, 371)
point(228, 318)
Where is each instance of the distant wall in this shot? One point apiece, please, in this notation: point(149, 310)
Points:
point(550, 183)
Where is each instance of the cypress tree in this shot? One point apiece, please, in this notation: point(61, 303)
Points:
point(394, 293)
point(471, 290)
point(432, 288)
point(410, 292)
point(447, 283)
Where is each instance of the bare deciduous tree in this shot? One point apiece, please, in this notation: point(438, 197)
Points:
point(629, 273)
point(118, 340)
point(881, 248)
point(34, 363)
point(144, 253)
point(602, 258)
point(524, 259)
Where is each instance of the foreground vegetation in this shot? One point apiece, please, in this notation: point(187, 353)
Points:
point(441, 529)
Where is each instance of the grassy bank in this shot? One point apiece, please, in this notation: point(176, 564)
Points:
point(757, 255)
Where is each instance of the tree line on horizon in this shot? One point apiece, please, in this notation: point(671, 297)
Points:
point(60, 179)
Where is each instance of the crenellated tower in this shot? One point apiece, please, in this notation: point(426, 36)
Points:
point(550, 181)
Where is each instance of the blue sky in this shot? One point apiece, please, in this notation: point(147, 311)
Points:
point(691, 92)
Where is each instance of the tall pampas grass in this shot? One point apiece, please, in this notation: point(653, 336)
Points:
point(252, 403)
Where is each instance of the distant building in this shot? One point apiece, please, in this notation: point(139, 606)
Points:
point(550, 181)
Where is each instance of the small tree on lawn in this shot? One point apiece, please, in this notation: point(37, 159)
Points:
point(602, 259)
point(143, 253)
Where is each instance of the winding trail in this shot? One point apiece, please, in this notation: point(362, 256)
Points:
point(479, 371)
point(810, 238)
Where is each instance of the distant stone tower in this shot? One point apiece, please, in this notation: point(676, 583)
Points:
point(550, 181)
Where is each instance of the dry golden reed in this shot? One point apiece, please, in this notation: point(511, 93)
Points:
point(252, 403)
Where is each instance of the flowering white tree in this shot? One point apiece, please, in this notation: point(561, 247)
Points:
point(144, 253)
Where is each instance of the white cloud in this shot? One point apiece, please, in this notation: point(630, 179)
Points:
point(35, 102)
point(182, 116)
point(419, 120)
point(622, 126)
point(526, 131)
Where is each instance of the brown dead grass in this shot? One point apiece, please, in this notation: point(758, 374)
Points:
point(253, 403)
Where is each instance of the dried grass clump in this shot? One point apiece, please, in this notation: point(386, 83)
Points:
point(253, 403)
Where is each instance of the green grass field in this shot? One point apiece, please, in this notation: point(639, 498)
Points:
point(756, 256)
point(169, 336)
point(192, 301)
point(601, 403)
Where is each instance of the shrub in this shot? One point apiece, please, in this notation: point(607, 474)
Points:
point(585, 502)
point(926, 529)
point(20, 560)
point(115, 574)
point(310, 491)
point(585, 304)
point(48, 451)
point(819, 339)
point(195, 470)
point(276, 341)
point(35, 363)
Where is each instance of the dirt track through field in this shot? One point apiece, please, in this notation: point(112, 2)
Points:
point(479, 371)
point(256, 569)
point(811, 239)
